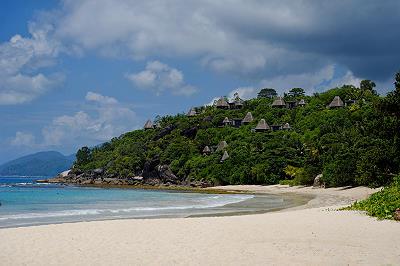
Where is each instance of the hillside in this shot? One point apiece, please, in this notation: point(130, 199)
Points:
point(48, 163)
point(356, 144)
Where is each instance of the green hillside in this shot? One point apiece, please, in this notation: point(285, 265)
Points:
point(354, 145)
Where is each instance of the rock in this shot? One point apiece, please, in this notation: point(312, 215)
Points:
point(149, 169)
point(166, 175)
point(189, 132)
point(396, 215)
point(98, 171)
point(164, 132)
point(318, 181)
point(138, 178)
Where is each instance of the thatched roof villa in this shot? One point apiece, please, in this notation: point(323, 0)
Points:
point(286, 126)
point(206, 150)
point(148, 125)
point(221, 103)
point(222, 145)
point(262, 126)
point(226, 121)
point(279, 102)
point(302, 102)
point(224, 156)
point(248, 118)
point(192, 112)
point(337, 102)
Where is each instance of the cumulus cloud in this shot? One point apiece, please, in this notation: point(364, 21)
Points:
point(258, 39)
point(20, 58)
point(159, 77)
point(23, 139)
point(108, 119)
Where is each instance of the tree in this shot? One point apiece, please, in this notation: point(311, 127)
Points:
point(83, 156)
point(267, 93)
point(368, 85)
point(296, 92)
point(397, 82)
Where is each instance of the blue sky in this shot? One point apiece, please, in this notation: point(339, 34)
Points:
point(76, 73)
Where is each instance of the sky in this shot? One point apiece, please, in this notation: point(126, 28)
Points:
point(78, 73)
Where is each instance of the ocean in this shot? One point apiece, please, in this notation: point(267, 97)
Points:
point(25, 202)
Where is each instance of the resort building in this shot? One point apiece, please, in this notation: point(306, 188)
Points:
point(291, 104)
point(237, 122)
point(302, 103)
point(337, 102)
point(286, 126)
point(149, 125)
point(206, 150)
point(221, 103)
point(237, 102)
point(222, 145)
point(276, 127)
point(192, 112)
point(262, 126)
point(279, 102)
point(227, 122)
point(247, 119)
point(224, 156)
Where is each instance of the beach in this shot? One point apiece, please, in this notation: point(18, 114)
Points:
point(312, 234)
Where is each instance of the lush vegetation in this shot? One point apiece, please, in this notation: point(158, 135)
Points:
point(382, 204)
point(355, 145)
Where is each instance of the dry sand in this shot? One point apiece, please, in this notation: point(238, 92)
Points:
point(311, 235)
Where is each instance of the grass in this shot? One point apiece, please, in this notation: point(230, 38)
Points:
point(381, 204)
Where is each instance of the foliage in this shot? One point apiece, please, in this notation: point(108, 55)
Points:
point(355, 145)
point(382, 204)
point(267, 93)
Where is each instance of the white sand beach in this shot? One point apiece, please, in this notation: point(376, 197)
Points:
point(314, 234)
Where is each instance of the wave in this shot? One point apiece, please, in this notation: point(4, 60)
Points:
point(209, 202)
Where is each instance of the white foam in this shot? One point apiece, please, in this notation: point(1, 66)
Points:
point(208, 202)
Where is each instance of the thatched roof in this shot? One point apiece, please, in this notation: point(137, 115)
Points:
point(222, 145)
point(279, 101)
point(237, 100)
point(302, 102)
point(286, 126)
point(221, 102)
point(262, 125)
point(226, 120)
point(206, 149)
point(192, 112)
point(336, 102)
point(158, 125)
point(248, 118)
point(149, 124)
point(225, 156)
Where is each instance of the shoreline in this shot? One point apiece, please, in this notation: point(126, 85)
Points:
point(312, 234)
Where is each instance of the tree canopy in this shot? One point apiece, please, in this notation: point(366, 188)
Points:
point(355, 145)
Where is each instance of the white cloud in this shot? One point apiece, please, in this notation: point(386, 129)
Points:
point(109, 119)
point(159, 77)
point(244, 93)
point(19, 58)
point(23, 139)
point(96, 97)
point(323, 79)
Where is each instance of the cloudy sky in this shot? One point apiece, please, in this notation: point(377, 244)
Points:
point(76, 73)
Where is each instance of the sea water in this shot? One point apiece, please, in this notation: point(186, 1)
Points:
point(25, 202)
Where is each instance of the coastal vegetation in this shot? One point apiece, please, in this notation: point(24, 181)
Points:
point(355, 142)
point(384, 204)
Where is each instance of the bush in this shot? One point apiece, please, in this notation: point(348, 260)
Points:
point(382, 204)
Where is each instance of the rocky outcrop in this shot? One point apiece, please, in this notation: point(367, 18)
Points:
point(153, 174)
point(318, 181)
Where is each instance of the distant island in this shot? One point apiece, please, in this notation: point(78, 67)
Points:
point(48, 163)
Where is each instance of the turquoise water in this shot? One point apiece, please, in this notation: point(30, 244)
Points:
point(25, 202)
